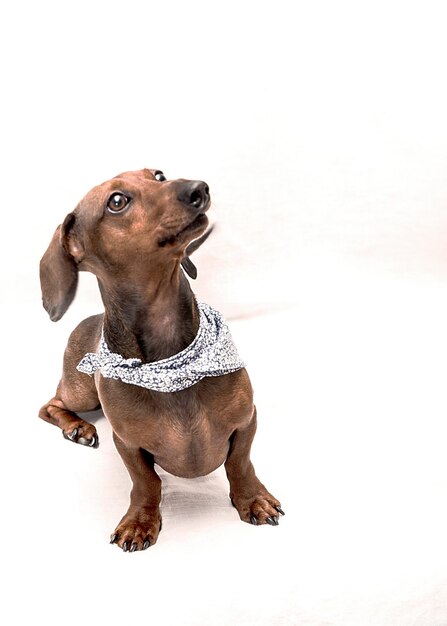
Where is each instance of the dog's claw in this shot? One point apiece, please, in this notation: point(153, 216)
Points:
point(133, 547)
point(90, 443)
point(72, 435)
point(273, 521)
point(279, 509)
point(253, 520)
point(146, 544)
point(125, 546)
point(113, 538)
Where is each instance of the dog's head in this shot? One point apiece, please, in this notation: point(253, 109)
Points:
point(133, 226)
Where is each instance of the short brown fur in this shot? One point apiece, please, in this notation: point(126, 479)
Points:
point(150, 313)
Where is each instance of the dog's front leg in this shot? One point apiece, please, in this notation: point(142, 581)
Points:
point(140, 526)
point(252, 500)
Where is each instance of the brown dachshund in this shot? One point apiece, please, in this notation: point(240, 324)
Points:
point(134, 232)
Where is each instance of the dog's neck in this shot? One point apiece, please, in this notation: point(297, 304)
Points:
point(151, 321)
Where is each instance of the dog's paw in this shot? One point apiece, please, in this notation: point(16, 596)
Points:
point(82, 432)
point(138, 529)
point(260, 509)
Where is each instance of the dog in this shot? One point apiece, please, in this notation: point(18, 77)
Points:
point(160, 365)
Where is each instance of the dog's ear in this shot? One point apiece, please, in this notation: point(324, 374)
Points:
point(59, 269)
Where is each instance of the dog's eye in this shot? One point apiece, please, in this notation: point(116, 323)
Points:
point(160, 176)
point(117, 202)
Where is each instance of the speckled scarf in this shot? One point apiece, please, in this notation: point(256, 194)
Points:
point(212, 353)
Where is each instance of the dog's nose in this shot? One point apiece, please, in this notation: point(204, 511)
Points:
point(195, 194)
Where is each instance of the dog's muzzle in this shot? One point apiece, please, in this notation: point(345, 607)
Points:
point(194, 194)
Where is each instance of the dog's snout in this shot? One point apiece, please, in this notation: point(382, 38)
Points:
point(194, 194)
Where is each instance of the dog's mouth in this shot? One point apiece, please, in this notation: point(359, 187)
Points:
point(198, 223)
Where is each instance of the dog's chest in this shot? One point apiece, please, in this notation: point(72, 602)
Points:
point(186, 436)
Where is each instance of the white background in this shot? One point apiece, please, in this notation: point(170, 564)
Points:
point(321, 130)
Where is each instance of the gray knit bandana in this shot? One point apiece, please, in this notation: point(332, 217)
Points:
point(212, 353)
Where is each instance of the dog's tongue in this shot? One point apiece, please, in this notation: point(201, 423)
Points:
point(187, 264)
point(189, 267)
